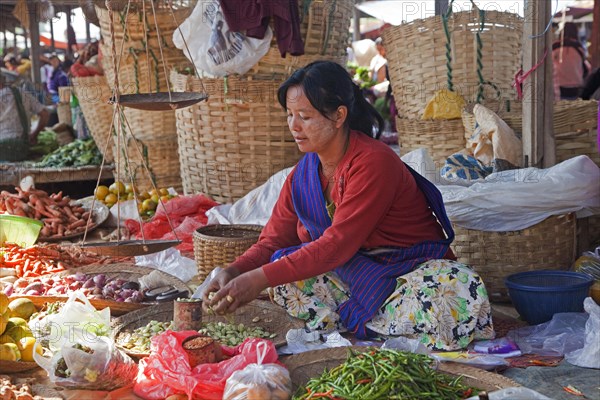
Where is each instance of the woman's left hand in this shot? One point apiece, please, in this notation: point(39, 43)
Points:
point(239, 291)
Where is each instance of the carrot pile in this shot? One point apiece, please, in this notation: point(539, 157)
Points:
point(44, 259)
point(59, 216)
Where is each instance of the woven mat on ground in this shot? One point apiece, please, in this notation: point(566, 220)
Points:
point(550, 381)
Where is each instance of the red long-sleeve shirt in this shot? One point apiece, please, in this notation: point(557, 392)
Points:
point(378, 204)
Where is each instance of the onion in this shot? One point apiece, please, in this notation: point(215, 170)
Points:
point(100, 280)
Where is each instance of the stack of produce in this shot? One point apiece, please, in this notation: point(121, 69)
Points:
point(16, 339)
point(59, 215)
point(75, 154)
point(148, 201)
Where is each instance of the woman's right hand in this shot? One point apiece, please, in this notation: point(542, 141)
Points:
point(218, 282)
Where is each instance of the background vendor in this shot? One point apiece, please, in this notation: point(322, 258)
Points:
point(17, 109)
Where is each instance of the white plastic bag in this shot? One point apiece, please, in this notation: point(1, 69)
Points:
point(589, 355)
point(214, 48)
point(86, 361)
point(514, 393)
point(77, 313)
point(171, 262)
point(259, 381)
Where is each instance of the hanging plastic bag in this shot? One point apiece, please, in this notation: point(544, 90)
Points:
point(86, 361)
point(167, 370)
point(259, 381)
point(589, 355)
point(445, 104)
point(214, 48)
point(76, 313)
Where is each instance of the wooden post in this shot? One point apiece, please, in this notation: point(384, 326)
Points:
point(52, 43)
point(88, 35)
point(34, 31)
point(355, 24)
point(4, 41)
point(538, 131)
point(595, 47)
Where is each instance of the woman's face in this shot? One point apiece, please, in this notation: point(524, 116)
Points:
point(311, 130)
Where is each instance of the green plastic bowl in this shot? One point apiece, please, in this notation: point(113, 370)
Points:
point(19, 230)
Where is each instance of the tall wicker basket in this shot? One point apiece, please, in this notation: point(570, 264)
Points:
point(441, 138)
point(236, 140)
point(93, 94)
point(416, 56)
point(549, 244)
point(219, 245)
point(324, 28)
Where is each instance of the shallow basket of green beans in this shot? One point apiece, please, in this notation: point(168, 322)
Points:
point(358, 373)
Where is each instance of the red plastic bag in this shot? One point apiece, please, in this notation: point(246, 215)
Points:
point(187, 213)
point(167, 371)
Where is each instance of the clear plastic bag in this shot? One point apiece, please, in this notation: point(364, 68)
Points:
point(259, 381)
point(514, 393)
point(589, 355)
point(87, 361)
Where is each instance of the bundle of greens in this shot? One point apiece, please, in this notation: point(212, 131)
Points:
point(74, 154)
point(46, 143)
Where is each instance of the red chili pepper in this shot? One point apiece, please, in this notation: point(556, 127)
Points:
point(322, 394)
point(368, 380)
point(468, 392)
point(573, 390)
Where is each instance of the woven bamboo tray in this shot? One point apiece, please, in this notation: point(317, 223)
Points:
point(13, 367)
point(575, 125)
point(549, 244)
point(236, 140)
point(219, 245)
point(122, 270)
point(441, 138)
point(311, 364)
point(93, 93)
point(324, 28)
point(272, 319)
point(416, 55)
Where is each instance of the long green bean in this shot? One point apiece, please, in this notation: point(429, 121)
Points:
point(379, 374)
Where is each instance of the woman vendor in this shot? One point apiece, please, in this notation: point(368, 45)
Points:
point(357, 240)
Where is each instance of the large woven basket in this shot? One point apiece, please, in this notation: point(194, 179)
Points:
point(324, 27)
point(93, 94)
point(219, 245)
point(136, 30)
point(441, 138)
point(416, 56)
point(236, 140)
point(159, 154)
point(141, 72)
point(575, 127)
point(549, 244)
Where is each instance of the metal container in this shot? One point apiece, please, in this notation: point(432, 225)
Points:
point(187, 314)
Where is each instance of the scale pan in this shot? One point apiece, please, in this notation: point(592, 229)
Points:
point(160, 101)
point(127, 248)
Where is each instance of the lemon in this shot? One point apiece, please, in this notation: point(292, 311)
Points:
point(163, 192)
point(22, 308)
point(3, 303)
point(117, 188)
point(110, 199)
point(6, 339)
point(144, 195)
point(3, 322)
point(154, 198)
point(164, 199)
point(101, 192)
point(130, 196)
point(8, 353)
point(26, 346)
point(129, 188)
point(148, 205)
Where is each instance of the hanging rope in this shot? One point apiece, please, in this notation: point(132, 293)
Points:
point(479, 51)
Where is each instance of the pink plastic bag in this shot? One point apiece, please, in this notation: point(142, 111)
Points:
point(187, 213)
point(167, 371)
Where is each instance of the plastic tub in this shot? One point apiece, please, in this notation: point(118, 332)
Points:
point(19, 230)
point(538, 295)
